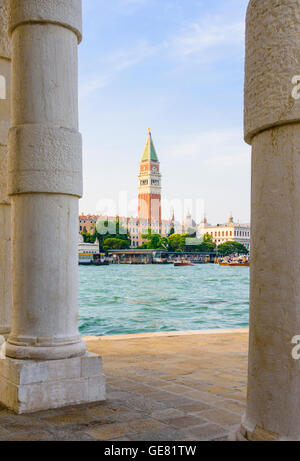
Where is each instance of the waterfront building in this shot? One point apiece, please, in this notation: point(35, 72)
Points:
point(87, 223)
point(137, 227)
point(86, 251)
point(230, 231)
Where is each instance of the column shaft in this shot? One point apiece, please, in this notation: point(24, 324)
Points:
point(45, 179)
point(46, 364)
point(272, 127)
point(5, 284)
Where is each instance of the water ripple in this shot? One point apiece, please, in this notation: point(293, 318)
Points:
point(122, 299)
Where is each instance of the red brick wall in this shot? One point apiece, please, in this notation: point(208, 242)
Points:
point(150, 207)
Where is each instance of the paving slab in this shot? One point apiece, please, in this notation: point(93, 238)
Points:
point(172, 387)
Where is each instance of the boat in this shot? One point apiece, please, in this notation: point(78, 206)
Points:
point(161, 261)
point(100, 260)
point(85, 259)
point(100, 263)
point(90, 259)
point(85, 263)
point(86, 252)
point(183, 263)
point(235, 264)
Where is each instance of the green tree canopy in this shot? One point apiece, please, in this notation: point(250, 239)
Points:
point(154, 241)
point(115, 244)
point(177, 242)
point(207, 245)
point(229, 248)
point(172, 231)
point(89, 238)
point(112, 230)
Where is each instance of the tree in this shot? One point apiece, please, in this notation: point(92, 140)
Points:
point(153, 240)
point(164, 243)
point(89, 238)
point(208, 245)
point(207, 238)
point(111, 230)
point(115, 244)
point(177, 242)
point(172, 231)
point(229, 248)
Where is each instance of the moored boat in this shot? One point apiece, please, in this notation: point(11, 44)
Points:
point(85, 259)
point(235, 264)
point(100, 260)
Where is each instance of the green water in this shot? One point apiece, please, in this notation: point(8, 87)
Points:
point(127, 299)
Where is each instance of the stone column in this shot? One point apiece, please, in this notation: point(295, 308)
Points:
point(272, 127)
point(46, 362)
point(5, 293)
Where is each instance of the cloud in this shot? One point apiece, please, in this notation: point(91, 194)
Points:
point(215, 148)
point(114, 64)
point(119, 6)
point(129, 6)
point(207, 40)
point(198, 39)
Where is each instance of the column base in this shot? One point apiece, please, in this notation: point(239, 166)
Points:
point(258, 434)
point(27, 386)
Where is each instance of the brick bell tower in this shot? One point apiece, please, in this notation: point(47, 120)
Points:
point(149, 187)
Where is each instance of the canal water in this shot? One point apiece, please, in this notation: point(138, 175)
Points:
point(128, 299)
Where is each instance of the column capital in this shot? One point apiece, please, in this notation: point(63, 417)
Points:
point(67, 14)
point(4, 40)
point(272, 60)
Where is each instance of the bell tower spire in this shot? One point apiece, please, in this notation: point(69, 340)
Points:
point(149, 186)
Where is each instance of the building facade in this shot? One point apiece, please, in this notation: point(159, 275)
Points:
point(87, 223)
point(86, 251)
point(230, 231)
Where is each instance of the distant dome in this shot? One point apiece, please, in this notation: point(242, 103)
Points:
point(189, 224)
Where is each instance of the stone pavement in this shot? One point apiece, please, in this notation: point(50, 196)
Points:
point(167, 387)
